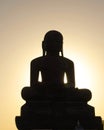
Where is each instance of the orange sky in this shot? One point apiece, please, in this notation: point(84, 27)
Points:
point(23, 24)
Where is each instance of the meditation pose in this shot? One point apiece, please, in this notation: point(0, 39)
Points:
point(52, 103)
point(51, 65)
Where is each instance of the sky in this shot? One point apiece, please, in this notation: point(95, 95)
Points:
point(23, 24)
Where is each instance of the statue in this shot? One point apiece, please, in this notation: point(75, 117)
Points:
point(52, 103)
point(51, 65)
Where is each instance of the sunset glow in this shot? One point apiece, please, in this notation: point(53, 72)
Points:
point(23, 24)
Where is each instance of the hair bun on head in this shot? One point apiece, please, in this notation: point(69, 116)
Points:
point(53, 41)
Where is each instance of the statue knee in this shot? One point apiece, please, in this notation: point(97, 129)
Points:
point(85, 94)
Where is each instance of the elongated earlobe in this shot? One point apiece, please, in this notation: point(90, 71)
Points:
point(43, 47)
point(62, 52)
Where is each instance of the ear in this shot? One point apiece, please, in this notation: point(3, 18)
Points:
point(62, 53)
point(42, 44)
point(43, 47)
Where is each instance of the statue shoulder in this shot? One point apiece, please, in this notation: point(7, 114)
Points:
point(37, 60)
point(68, 60)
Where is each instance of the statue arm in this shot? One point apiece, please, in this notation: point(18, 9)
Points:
point(71, 75)
point(33, 74)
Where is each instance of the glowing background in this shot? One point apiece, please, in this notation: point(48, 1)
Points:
point(23, 24)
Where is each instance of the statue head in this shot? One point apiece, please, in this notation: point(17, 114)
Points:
point(53, 42)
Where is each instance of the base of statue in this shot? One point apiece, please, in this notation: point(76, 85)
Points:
point(57, 111)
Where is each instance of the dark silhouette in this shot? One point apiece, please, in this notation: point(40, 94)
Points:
point(51, 65)
point(51, 103)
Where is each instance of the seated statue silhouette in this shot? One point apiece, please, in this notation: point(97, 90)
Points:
point(50, 102)
point(53, 66)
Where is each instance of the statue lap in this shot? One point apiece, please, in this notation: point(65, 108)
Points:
point(52, 86)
